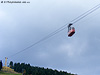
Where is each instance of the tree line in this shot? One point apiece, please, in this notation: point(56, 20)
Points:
point(27, 69)
point(0, 65)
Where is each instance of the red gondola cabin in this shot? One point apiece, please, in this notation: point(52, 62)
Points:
point(71, 31)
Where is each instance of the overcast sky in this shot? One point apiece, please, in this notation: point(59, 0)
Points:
point(21, 25)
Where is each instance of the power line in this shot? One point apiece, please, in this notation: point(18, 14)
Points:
point(61, 28)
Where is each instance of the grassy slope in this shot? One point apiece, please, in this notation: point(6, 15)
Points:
point(4, 73)
point(8, 71)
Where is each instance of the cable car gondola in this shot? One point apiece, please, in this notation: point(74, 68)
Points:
point(71, 30)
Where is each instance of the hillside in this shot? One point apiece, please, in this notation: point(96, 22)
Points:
point(8, 71)
point(27, 69)
point(5, 73)
point(32, 70)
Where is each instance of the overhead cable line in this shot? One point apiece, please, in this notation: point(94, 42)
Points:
point(50, 35)
point(61, 28)
point(86, 12)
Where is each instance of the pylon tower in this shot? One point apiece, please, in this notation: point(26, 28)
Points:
point(6, 61)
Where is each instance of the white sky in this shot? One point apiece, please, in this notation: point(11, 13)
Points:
point(24, 24)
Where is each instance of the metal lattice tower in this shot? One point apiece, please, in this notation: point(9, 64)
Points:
point(6, 61)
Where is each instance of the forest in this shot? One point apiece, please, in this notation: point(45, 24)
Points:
point(27, 69)
point(0, 64)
